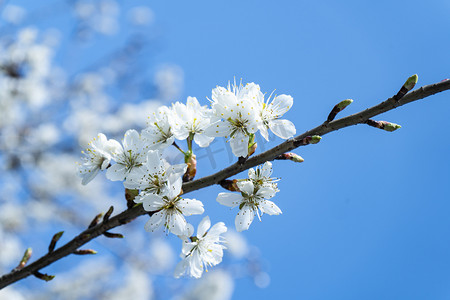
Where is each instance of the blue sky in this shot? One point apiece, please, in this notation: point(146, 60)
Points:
point(366, 215)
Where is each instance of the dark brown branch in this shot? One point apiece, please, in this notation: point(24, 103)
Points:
point(232, 170)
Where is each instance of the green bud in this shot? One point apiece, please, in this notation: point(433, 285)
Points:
point(344, 103)
point(315, 139)
point(411, 82)
point(388, 126)
point(42, 276)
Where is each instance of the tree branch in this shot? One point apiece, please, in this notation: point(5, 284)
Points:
point(130, 214)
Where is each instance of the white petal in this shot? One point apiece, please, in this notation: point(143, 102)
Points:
point(283, 128)
point(266, 169)
point(181, 268)
point(251, 173)
point(239, 144)
point(203, 226)
point(268, 207)
point(266, 192)
point(156, 220)
point(203, 140)
point(130, 139)
point(177, 223)
point(174, 188)
point(151, 202)
point(218, 129)
point(88, 176)
point(196, 266)
point(116, 172)
point(190, 207)
point(229, 199)
point(264, 132)
point(244, 218)
point(154, 161)
point(281, 104)
point(246, 187)
point(217, 230)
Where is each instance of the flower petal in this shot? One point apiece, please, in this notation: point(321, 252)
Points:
point(116, 172)
point(203, 227)
point(156, 220)
point(268, 207)
point(239, 144)
point(244, 218)
point(283, 128)
point(229, 199)
point(190, 207)
point(281, 104)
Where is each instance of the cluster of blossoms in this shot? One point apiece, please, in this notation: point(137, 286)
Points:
point(236, 113)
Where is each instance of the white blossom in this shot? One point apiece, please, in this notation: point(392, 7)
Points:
point(191, 120)
point(154, 175)
point(270, 114)
point(261, 176)
point(129, 158)
point(251, 201)
point(159, 133)
point(235, 116)
point(170, 209)
point(97, 157)
point(201, 251)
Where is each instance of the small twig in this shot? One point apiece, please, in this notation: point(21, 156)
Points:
point(95, 220)
point(84, 251)
point(409, 85)
point(113, 235)
point(338, 108)
point(54, 240)
point(24, 260)
point(290, 156)
point(43, 276)
point(108, 214)
point(387, 126)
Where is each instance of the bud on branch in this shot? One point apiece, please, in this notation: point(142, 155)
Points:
point(409, 85)
point(54, 240)
point(25, 259)
point(43, 276)
point(388, 126)
point(338, 108)
point(230, 185)
point(84, 252)
point(290, 156)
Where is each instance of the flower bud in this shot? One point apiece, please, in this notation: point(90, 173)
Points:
point(43, 276)
point(25, 259)
point(411, 82)
point(290, 156)
point(388, 126)
point(191, 162)
point(54, 240)
point(230, 185)
point(315, 139)
point(84, 252)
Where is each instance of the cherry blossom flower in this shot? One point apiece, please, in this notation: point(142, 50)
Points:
point(270, 114)
point(191, 120)
point(154, 175)
point(252, 201)
point(129, 158)
point(235, 115)
point(170, 209)
point(201, 251)
point(261, 176)
point(97, 157)
point(159, 131)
